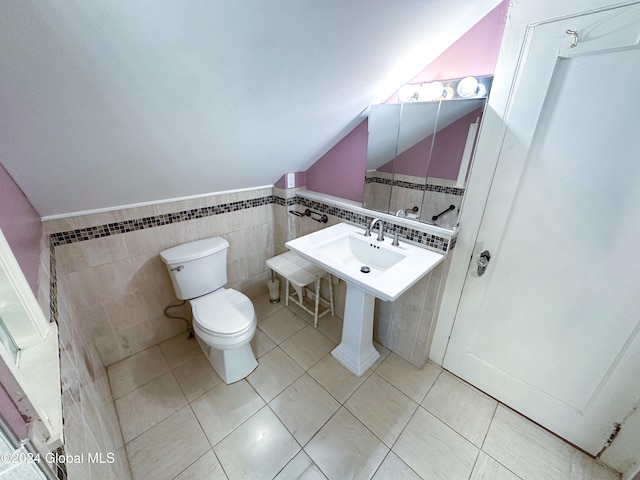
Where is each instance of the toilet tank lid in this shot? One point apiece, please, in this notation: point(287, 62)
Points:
point(193, 250)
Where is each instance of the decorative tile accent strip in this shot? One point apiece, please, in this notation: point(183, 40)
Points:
point(417, 186)
point(79, 235)
point(444, 189)
point(60, 465)
point(422, 238)
point(53, 284)
point(280, 201)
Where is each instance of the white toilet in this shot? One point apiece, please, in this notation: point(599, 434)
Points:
point(224, 320)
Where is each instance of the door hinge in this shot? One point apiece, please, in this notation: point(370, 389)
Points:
point(612, 437)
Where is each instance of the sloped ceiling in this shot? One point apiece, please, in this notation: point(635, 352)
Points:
point(113, 102)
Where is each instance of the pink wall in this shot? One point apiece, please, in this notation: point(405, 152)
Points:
point(341, 171)
point(412, 161)
point(21, 226)
point(447, 152)
point(475, 53)
point(11, 415)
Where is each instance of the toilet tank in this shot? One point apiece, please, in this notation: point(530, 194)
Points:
point(197, 268)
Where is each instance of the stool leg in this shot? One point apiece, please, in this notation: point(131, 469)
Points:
point(286, 293)
point(331, 295)
point(315, 313)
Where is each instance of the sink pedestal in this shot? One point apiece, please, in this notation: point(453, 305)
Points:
point(343, 250)
point(356, 351)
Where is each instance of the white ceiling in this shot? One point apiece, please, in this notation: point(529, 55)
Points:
point(114, 102)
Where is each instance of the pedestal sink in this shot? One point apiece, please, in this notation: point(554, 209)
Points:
point(370, 269)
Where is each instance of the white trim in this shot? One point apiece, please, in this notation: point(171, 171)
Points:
point(33, 382)
point(466, 154)
point(152, 202)
point(25, 321)
point(337, 201)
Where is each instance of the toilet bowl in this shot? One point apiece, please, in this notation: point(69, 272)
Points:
point(224, 320)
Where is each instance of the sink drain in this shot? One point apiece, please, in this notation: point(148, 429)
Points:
point(365, 269)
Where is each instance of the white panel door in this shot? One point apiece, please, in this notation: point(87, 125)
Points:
point(551, 327)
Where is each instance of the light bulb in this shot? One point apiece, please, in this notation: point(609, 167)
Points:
point(408, 93)
point(468, 87)
point(448, 92)
point(431, 91)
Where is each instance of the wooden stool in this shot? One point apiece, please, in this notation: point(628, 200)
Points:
point(300, 273)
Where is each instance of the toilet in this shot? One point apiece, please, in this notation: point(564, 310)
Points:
point(224, 319)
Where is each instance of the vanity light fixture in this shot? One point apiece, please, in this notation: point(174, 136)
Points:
point(468, 87)
point(421, 92)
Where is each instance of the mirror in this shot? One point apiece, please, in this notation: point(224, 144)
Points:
point(418, 158)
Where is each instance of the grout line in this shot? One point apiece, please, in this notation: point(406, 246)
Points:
point(219, 462)
point(141, 385)
point(493, 416)
point(475, 462)
point(501, 464)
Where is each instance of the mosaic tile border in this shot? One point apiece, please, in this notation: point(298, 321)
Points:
point(422, 238)
point(99, 231)
point(283, 202)
point(429, 187)
point(59, 465)
point(53, 284)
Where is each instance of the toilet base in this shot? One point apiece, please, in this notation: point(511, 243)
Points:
point(231, 365)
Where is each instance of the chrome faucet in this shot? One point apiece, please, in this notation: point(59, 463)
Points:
point(380, 228)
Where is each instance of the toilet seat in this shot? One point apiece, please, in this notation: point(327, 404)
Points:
point(224, 313)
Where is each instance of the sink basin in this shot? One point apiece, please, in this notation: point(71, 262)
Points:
point(370, 269)
point(343, 250)
point(355, 251)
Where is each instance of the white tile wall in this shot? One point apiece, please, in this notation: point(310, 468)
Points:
point(111, 293)
point(90, 421)
point(123, 277)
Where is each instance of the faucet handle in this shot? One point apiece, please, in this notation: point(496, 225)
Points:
point(395, 242)
point(367, 231)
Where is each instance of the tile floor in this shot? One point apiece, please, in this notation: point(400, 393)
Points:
point(301, 415)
